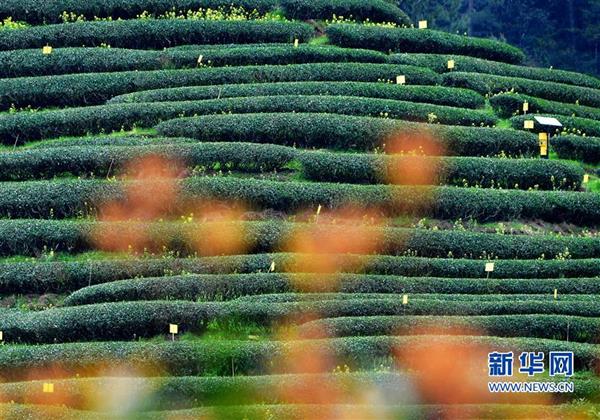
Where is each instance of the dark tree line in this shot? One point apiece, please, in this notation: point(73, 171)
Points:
point(560, 33)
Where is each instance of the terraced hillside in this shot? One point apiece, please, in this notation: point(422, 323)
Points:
point(287, 209)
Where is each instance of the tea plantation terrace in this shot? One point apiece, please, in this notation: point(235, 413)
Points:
point(278, 208)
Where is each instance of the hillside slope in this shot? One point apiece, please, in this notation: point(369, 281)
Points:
point(288, 209)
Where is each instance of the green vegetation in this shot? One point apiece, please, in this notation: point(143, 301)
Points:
point(32, 237)
point(464, 63)
point(542, 326)
point(439, 95)
point(210, 358)
point(252, 392)
point(94, 88)
point(585, 149)
point(324, 130)
point(290, 209)
point(113, 160)
point(71, 198)
point(153, 33)
point(21, 63)
point(35, 276)
point(312, 410)
point(571, 125)
point(373, 10)
point(418, 41)
point(566, 40)
point(40, 11)
point(461, 171)
point(345, 132)
point(490, 84)
point(226, 286)
point(117, 139)
point(509, 104)
point(346, 105)
point(89, 160)
point(122, 321)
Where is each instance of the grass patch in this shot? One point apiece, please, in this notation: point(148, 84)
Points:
point(320, 40)
point(135, 132)
point(593, 185)
point(233, 330)
point(503, 123)
point(222, 330)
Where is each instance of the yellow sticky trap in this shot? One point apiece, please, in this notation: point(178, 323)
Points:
point(272, 268)
point(489, 267)
point(200, 59)
point(319, 210)
point(528, 124)
point(422, 24)
point(543, 144)
point(400, 80)
point(555, 293)
point(296, 43)
point(451, 64)
point(48, 387)
point(586, 179)
point(1, 336)
point(173, 328)
point(47, 50)
point(525, 106)
point(405, 299)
